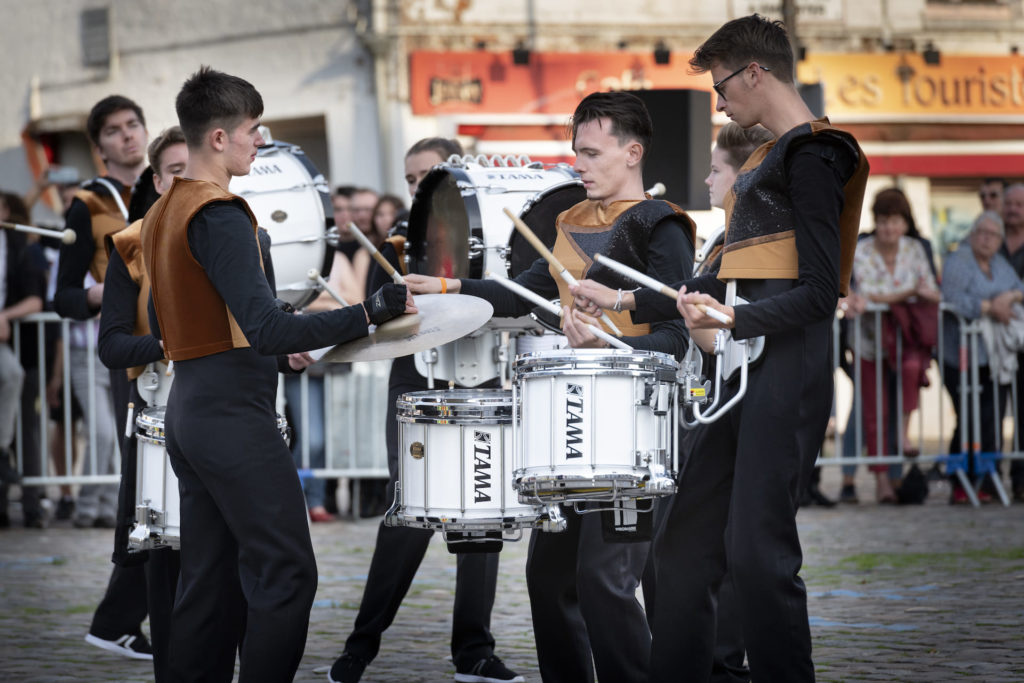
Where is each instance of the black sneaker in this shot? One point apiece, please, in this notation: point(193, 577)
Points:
point(65, 508)
point(134, 646)
point(490, 670)
point(348, 668)
point(848, 494)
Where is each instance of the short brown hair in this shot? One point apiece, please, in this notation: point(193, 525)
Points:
point(443, 147)
point(104, 108)
point(170, 136)
point(628, 115)
point(738, 143)
point(745, 40)
point(212, 99)
point(892, 202)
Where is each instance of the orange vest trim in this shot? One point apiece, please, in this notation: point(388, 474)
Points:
point(106, 219)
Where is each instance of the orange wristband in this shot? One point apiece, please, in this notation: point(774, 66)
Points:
point(444, 285)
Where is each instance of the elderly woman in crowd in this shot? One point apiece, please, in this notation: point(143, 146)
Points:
point(892, 267)
point(978, 282)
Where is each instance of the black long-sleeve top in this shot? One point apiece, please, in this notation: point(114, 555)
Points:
point(669, 258)
point(817, 170)
point(69, 299)
point(220, 239)
point(119, 347)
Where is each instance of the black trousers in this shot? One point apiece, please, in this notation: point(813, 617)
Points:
point(247, 564)
point(747, 470)
point(584, 606)
point(397, 557)
point(124, 606)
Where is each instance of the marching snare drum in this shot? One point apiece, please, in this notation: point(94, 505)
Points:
point(455, 465)
point(594, 424)
point(157, 502)
point(457, 227)
point(291, 199)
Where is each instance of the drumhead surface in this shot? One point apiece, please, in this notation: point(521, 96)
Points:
point(540, 214)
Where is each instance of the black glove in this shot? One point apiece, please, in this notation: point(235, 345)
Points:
point(386, 303)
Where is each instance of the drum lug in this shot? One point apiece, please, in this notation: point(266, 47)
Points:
point(391, 517)
point(476, 247)
point(552, 520)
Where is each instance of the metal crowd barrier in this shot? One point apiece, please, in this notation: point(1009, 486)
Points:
point(354, 414)
point(355, 407)
point(970, 393)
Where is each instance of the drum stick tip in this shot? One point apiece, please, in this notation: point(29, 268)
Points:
point(313, 274)
point(69, 236)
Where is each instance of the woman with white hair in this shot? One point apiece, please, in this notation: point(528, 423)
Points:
point(978, 282)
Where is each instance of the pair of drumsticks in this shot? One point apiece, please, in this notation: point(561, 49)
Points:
point(621, 268)
point(563, 272)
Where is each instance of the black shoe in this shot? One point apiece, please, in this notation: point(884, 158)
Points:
point(105, 522)
point(848, 494)
point(35, 520)
point(65, 507)
point(134, 646)
point(1018, 493)
point(490, 670)
point(348, 668)
point(812, 495)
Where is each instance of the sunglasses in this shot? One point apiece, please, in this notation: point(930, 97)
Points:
point(718, 85)
point(988, 195)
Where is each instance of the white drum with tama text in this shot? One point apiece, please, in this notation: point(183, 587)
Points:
point(455, 464)
point(594, 425)
point(291, 200)
point(157, 501)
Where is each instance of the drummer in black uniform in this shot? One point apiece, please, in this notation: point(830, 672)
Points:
point(242, 511)
point(400, 550)
point(582, 587)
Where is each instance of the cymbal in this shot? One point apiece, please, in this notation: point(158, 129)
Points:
point(442, 318)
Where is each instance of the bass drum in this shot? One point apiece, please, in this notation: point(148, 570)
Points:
point(292, 201)
point(457, 227)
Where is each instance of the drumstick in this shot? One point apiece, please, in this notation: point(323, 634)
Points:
point(556, 310)
point(316, 277)
point(128, 431)
point(368, 245)
point(66, 236)
point(651, 283)
point(525, 231)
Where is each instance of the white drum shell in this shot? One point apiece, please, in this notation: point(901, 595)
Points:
point(589, 425)
point(463, 479)
point(157, 498)
point(288, 199)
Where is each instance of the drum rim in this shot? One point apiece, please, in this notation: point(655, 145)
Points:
point(576, 361)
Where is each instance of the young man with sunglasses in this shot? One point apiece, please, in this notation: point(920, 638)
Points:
point(792, 232)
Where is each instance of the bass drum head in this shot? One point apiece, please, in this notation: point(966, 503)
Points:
point(292, 201)
point(457, 224)
point(540, 214)
point(441, 221)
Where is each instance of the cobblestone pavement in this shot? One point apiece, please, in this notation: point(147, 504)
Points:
point(922, 593)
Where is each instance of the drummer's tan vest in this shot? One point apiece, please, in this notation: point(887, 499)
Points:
point(128, 243)
point(194, 320)
point(590, 217)
point(106, 219)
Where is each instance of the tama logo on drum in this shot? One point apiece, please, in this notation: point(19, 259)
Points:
point(481, 467)
point(268, 169)
point(573, 420)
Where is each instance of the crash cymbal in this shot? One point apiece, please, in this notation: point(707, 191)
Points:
point(442, 318)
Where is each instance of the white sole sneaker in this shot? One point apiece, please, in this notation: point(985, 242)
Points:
point(121, 646)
